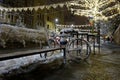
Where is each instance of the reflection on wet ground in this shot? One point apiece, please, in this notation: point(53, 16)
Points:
point(98, 67)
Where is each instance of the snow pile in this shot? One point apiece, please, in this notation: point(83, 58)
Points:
point(9, 65)
point(20, 34)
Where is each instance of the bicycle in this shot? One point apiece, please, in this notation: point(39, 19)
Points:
point(75, 47)
point(78, 49)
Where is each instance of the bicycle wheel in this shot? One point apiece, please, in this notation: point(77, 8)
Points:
point(51, 43)
point(79, 49)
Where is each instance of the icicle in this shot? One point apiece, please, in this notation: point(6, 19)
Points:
point(3, 43)
point(24, 44)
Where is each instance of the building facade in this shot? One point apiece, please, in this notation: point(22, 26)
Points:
point(45, 17)
point(33, 18)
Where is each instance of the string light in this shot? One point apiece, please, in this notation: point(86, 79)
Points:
point(95, 8)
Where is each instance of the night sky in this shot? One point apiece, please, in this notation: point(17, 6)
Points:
point(1, 0)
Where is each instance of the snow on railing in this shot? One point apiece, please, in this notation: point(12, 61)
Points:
point(20, 34)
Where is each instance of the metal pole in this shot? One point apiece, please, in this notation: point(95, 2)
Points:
point(64, 55)
point(99, 39)
point(94, 43)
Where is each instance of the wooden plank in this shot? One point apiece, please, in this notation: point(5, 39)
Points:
point(13, 55)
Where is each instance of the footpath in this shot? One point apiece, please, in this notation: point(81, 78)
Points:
point(109, 47)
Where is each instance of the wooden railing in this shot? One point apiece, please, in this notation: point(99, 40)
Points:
point(7, 56)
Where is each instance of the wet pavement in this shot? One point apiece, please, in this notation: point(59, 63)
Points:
point(103, 66)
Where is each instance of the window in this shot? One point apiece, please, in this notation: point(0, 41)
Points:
point(48, 18)
point(47, 26)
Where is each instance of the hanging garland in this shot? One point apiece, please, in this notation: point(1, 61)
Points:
point(33, 8)
point(73, 26)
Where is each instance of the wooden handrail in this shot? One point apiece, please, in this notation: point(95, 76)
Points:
point(33, 52)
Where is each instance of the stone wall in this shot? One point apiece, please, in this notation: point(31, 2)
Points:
point(117, 35)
